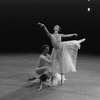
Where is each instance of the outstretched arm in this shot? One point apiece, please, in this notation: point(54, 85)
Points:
point(69, 35)
point(47, 32)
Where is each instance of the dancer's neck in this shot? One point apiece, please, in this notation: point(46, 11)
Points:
point(55, 32)
point(44, 53)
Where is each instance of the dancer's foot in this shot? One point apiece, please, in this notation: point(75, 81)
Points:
point(32, 79)
point(63, 78)
point(82, 40)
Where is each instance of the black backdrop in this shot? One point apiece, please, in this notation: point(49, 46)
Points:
point(18, 23)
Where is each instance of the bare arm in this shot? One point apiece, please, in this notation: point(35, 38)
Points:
point(46, 59)
point(68, 35)
point(46, 30)
point(48, 56)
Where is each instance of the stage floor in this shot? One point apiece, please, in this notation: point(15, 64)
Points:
point(16, 69)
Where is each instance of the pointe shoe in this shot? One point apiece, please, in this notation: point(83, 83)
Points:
point(79, 42)
point(82, 40)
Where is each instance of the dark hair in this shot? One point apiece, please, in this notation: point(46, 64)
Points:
point(44, 77)
point(45, 46)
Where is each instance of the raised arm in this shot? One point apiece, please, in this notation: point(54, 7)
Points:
point(69, 35)
point(46, 30)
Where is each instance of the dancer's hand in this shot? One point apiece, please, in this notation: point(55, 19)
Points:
point(41, 25)
point(75, 34)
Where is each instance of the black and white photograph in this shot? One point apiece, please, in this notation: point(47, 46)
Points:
point(49, 50)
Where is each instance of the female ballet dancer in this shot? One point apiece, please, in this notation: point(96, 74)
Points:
point(64, 54)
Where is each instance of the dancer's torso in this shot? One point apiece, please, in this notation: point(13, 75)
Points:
point(56, 39)
point(42, 61)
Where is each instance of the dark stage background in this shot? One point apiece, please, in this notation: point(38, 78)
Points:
point(19, 31)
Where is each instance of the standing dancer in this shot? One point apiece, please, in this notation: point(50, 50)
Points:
point(64, 54)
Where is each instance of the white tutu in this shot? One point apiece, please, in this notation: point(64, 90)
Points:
point(65, 58)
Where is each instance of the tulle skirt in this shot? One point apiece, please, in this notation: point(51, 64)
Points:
point(64, 59)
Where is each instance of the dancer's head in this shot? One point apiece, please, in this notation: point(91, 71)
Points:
point(57, 28)
point(46, 48)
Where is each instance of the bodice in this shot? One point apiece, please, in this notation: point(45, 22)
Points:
point(55, 39)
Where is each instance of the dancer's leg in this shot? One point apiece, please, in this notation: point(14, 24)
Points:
point(39, 71)
point(82, 40)
point(60, 64)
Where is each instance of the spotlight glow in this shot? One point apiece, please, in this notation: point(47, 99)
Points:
point(88, 9)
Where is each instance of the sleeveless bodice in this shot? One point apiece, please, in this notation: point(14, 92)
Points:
point(55, 39)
